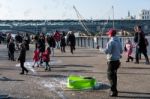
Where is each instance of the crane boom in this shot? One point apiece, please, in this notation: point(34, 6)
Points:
point(80, 20)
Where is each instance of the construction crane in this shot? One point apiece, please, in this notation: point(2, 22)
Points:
point(80, 18)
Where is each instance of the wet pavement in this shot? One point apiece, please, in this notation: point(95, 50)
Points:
point(133, 79)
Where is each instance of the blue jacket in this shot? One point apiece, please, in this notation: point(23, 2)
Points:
point(113, 49)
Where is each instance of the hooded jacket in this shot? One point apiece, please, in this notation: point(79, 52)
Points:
point(113, 49)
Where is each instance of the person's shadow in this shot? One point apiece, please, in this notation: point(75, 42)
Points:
point(134, 95)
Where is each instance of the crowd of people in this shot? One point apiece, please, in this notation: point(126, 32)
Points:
point(43, 53)
point(44, 47)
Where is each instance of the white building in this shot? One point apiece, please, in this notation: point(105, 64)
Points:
point(145, 14)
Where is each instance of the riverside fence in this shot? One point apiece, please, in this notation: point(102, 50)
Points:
point(93, 42)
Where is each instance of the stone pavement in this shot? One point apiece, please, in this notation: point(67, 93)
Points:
point(133, 79)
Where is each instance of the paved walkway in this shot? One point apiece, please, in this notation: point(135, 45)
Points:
point(133, 79)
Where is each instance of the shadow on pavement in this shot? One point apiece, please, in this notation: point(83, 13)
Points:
point(74, 56)
point(70, 65)
point(54, 76)
point(8, 79)
point(4, 68)
point(135, 67)
point(135, 73)
point(135, 95)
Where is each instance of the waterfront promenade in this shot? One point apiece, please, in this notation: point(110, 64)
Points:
point(133, 79)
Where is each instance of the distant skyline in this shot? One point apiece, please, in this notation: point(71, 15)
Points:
point(63, 9)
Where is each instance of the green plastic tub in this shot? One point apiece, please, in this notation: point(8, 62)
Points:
point(80, 82)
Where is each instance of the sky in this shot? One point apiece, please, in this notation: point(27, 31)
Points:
point(63, 9)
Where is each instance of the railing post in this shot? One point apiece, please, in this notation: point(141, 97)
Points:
point(93, 41)
point(88, 41)
point(81, 41)
point(102, 42)
point(84, 41)
point(78, 41)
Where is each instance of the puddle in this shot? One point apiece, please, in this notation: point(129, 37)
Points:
point(28, 65)
point(55, 85)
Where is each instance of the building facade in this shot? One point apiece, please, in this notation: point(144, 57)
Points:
point(145, 15)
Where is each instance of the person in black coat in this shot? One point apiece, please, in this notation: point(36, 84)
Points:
point(18, 39)
point(51, 42)
point(141, 46)
point(27, 41)
point(22, 58)
point(63, 43)
point(11, 50)
point(41, 44)
point(72, 41)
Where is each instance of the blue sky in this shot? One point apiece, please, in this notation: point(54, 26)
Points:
point(63, 9)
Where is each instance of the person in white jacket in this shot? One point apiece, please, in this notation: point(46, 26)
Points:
point(113, 51)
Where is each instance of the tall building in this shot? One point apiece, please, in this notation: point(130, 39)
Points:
point(145, 14)
point(130, 17)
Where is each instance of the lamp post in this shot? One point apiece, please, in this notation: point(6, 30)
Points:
point(113, 17)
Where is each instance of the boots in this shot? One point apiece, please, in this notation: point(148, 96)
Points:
point(131, 58)
point(128, 59)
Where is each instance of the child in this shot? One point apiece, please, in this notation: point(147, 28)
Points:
point(11, 49)
point(22, 59)
point(128, 48)
point(46, 58)
point(36, 56)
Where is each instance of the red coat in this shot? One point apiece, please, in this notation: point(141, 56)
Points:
point(36, 55)
point(57, 36)
point(46, 56)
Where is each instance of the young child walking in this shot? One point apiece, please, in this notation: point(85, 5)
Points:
point(22, 59)
point(128, 48)
point(46, 58)
point(36, 56)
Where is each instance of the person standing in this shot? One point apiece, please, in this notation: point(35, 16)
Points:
point(27, 41)
point(141, 46)
point(57, 37)
point(8, 37)
point(41, 44)
point(11, 50)
point(113, 51)
point(63, 43)
point(51, 42)
point(22, 58)
point(72, 41)
point(18, 39)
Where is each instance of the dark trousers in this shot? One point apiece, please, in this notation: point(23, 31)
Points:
point(72, 48)
point(63, 49)
point(138, 52)
point(11, 55)
point(23, 68)
point(112, 74)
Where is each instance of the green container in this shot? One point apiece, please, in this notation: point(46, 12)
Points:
point(80, 82)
